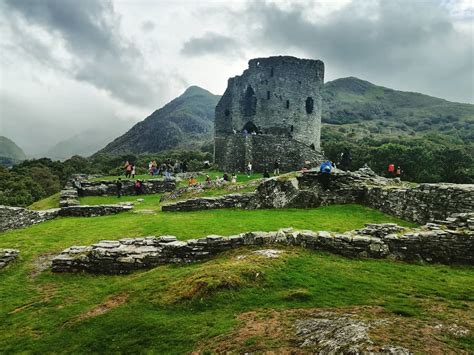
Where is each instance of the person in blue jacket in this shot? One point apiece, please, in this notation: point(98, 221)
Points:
point(325, 174)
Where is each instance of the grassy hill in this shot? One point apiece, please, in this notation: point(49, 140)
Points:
point(10, 153)
point(185, 122)
point(360, 108)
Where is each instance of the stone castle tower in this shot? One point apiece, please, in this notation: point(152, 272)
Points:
point(272, 111)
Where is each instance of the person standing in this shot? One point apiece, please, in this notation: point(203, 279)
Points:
point(266, 174)
point(399, 171)
point(391, 170)
point(346, 159)
point(133, 172)
point(234, 178)
point(276, 167)
point(118, 184)
point(249, 169)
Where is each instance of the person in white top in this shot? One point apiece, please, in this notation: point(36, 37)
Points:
point(249, 169)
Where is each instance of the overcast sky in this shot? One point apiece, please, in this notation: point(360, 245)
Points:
point(69, 65)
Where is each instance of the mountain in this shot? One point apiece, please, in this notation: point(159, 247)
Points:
point(352, 107)
point(364, 109)
point(186, 122)
point(10, 153)
point(87, 142)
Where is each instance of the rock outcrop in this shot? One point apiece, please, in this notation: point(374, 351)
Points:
point(452, 242)
point(7, 256)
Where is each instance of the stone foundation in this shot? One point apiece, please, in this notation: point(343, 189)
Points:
point(69, 197)
point(109, 188)
point(94, 211)
point(452, 242)
point(422, 203)
point(7, 256)
point(18, 217)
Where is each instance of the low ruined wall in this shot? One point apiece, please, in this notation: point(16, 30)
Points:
point(7, 256)
point(68, 197)
point(427, 202)
point(109, 188)
point(209, 203)
point(452, 242)
point(93, 211)
point(18, 217)
point(421, 204)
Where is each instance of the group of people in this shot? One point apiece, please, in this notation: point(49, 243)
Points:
point(129, 170)
point(391, 172)
point(167, 168)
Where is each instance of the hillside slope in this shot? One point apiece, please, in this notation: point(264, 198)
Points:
point(368, 109)
point(87, 142)
point(185, 122)
point(9, 152)
point(351, 106)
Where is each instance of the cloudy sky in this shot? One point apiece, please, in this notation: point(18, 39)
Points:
point(70, 65)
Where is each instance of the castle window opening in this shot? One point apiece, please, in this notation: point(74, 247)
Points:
point(268, 95)
point(271, 72)
point(226, 113)
point(287, 104)
point(309, 105)
point(250, 102)
point(291, 128)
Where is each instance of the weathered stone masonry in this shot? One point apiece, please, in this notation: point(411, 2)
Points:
point(279, 98)
point(421, 204)
point(18, 217)
point(109, 188)
point(452, 242)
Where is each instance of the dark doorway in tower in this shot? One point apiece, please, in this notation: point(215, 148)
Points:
point(250, 128)
point(249, 102)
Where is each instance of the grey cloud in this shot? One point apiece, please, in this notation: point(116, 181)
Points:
point(148, 26)
point(400, 43)
point(90, 30)
point(211, 43)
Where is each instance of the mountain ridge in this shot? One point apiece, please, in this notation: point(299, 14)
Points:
point(354, 106)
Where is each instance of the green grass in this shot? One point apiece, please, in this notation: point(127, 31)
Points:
point(212, 173)
point(170, 309)
point(46, 203)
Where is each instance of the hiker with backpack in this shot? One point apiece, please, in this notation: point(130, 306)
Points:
point(325, 174)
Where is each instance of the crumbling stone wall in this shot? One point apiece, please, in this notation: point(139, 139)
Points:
point(18, 217)
point(421, 203)
point(109, 188)
point(452, 242)
point(277, 97)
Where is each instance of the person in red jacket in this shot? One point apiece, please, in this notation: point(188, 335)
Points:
point(391, 170)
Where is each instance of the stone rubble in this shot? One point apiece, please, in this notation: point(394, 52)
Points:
point(431, 243)
point(7, 256)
